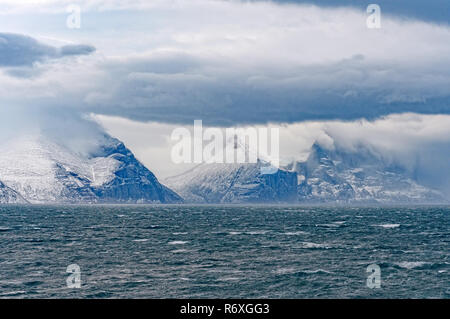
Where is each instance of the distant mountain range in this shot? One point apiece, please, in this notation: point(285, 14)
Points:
point(327, 176)
point(35, 169)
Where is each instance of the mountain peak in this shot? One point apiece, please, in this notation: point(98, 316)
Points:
point(357, 175)
point(234, 183)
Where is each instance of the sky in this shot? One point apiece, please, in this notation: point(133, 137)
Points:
point(312, 68)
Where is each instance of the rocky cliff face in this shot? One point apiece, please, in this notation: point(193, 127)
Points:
point(234, 183)
point(131, 181)
point(44, 171)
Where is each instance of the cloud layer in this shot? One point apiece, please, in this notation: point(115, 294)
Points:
point(249, 62)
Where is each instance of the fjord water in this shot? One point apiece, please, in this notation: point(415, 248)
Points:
point(224, 251)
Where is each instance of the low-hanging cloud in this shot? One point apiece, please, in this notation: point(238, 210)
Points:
point(417, 143)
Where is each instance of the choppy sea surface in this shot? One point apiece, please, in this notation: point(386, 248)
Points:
point(224, 251)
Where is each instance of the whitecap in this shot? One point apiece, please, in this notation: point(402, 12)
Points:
point(332, 225)
point(140, 240)
point(177, 242)
point(178, 251)
point(257, 232)
point(309, 245)
point(296, 233)
point(411, 264)
point(388, 225)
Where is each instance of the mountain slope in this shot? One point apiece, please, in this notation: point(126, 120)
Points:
point(130, 179)
point(9, 196)
point(44, 171)
point(234, 183)
point(358, 176)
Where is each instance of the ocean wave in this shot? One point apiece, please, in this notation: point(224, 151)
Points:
point(257, 232)
point(388, 225)
point(179, 251)
point(154, 227)
point(296, 233)
point(419, 265)
point(13, 293)
point(228, 279)
point(177, 242)
point(411, 264)
point(332, 224)
point(318, 271)
point(291, 271)
point(309, 245)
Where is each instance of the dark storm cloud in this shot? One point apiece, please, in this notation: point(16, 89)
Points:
point(18, 50)
point(76, 49)
point(348, 89)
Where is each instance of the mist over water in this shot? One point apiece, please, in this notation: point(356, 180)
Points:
point(224, 251)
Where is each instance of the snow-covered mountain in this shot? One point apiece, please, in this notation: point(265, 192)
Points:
point(44, 171)
point(37, 169)
point(234, 183)
point(327, 176)
point(358, 176)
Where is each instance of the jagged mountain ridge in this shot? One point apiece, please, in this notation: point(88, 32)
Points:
point(44, 171)
point(338, 175)
point(327, 176)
